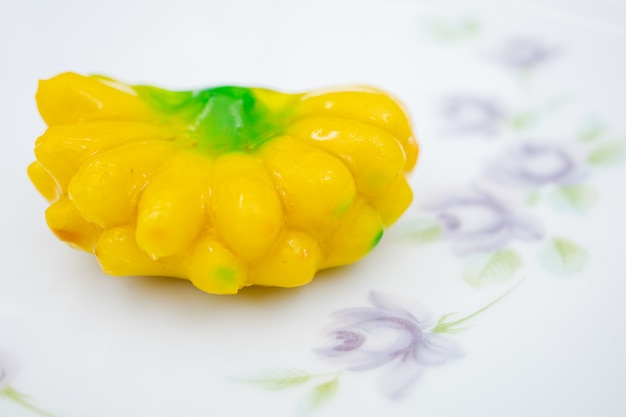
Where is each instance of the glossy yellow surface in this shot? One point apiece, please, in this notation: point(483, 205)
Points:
point(162, 183)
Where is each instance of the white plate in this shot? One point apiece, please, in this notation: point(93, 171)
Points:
point(519, 199)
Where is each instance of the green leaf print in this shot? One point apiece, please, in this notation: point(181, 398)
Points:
point(23, 400)
point(449, 31)
point(486, 269)
point(320, 395)
point(277, 379)
point(424, 231)
point(592, 131)
point(575, 198)
point(562, 257)
point(608, 154)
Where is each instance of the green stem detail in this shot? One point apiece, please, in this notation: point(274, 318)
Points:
point(220, 119)
point(21, 399)
point(443, 326)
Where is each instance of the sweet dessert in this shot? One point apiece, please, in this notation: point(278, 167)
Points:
point(226, 187)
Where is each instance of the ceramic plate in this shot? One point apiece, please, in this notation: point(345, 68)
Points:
point(500, 292)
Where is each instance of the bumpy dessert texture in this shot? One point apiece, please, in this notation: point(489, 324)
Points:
point(226, 187)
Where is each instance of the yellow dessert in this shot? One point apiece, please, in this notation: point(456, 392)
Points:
point(227, 187)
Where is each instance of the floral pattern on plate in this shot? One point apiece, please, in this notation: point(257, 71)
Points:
point(543, 158)
point(388, 335)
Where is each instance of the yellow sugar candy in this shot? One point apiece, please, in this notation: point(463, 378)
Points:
point(226, 187)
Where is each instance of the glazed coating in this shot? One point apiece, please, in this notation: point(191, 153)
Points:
point(226, 187)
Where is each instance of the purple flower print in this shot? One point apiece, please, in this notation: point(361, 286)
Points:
point(7, 370)
point(532, 165)
point(4, 377)
point(387, 334)
point(473, 115)
point(474, 221)
point(523, 54)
